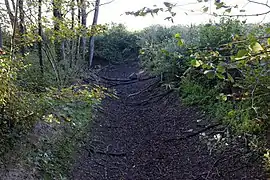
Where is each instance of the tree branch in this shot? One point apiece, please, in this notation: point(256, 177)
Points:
point(260, 3)
point(100, 5)
point(241, 15)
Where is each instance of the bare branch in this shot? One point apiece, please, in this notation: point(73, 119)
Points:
point(260, 3)
point(101, 5)
point(187, 4)
point(11, 15)
point(241, 15)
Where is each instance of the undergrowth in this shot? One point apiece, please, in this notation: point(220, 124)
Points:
point(224, 70)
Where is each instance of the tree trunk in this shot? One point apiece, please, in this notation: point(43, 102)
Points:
point(1, 38)
point(83, 39)
point(63, 47)
point(77, 57)
point(92, 41)
point(58, 17)
point(13, 39)
point(21, 27)
point(72, 40)
point(11, 15)
point(41, 66)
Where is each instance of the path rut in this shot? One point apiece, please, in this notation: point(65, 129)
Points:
point(131, 140)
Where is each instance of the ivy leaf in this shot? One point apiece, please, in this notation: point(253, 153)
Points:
point(268, 41)
point(267, 30)
point(210, 74)
point(219, 5)
point(231, 113)
point(156, 10)
point(228, 10)
point(205, 9)
point(196, 63)
point(206, 66)
point(180, 42)
point(165, 52)
point(221, 69)
point(257, 47)
point(168, 18)
point(220, 76)
point(177, 36)
point(265, 117)
point(223, 97)
point(167, 4)
point(241, 53)
point(230, 78)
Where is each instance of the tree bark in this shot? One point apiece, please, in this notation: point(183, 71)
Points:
point(77, 57)
point(41, 66)
point(83, 39)
point(58, 17)
point(21, 27)
point(11, 15)
point(92, 40)
point(13, 39)
point(72, 27)
point(1, 38)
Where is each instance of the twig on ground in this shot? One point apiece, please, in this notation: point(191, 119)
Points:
point(147, 89)
point(131, 81)
point(92, 151)
point(125, 80)
point(193, 134)
point(159, 96)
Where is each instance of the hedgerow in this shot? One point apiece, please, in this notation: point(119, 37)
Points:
point(224, 66)
point(116, 45)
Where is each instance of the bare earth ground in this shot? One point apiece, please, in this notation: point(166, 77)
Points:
point(150, 135)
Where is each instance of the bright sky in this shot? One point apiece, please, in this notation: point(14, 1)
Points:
point(112, 12)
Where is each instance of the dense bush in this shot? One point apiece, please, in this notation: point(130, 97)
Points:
point(224, 70)
point(27, 99)
point(116, 45)
point(16, 106)
point(69, 113)
point(160, 51)
point(215, 34)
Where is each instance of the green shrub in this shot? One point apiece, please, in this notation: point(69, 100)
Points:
point(224, 70)
point(160, 53)
point(28, 100)
point(194, 93)
point(116, 45)
point(69, 112)
point(215, 34)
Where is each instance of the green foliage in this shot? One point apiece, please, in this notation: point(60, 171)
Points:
point(28, 99)
point(116, 45)
point(193, 93)
point(225, 71)
point(214, 34)
point(40, 87)
point(17, 114)
point(246, 73)
point(162, 49)
point(69, 112)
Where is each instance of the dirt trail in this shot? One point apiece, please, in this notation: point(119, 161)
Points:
point(134, 139)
